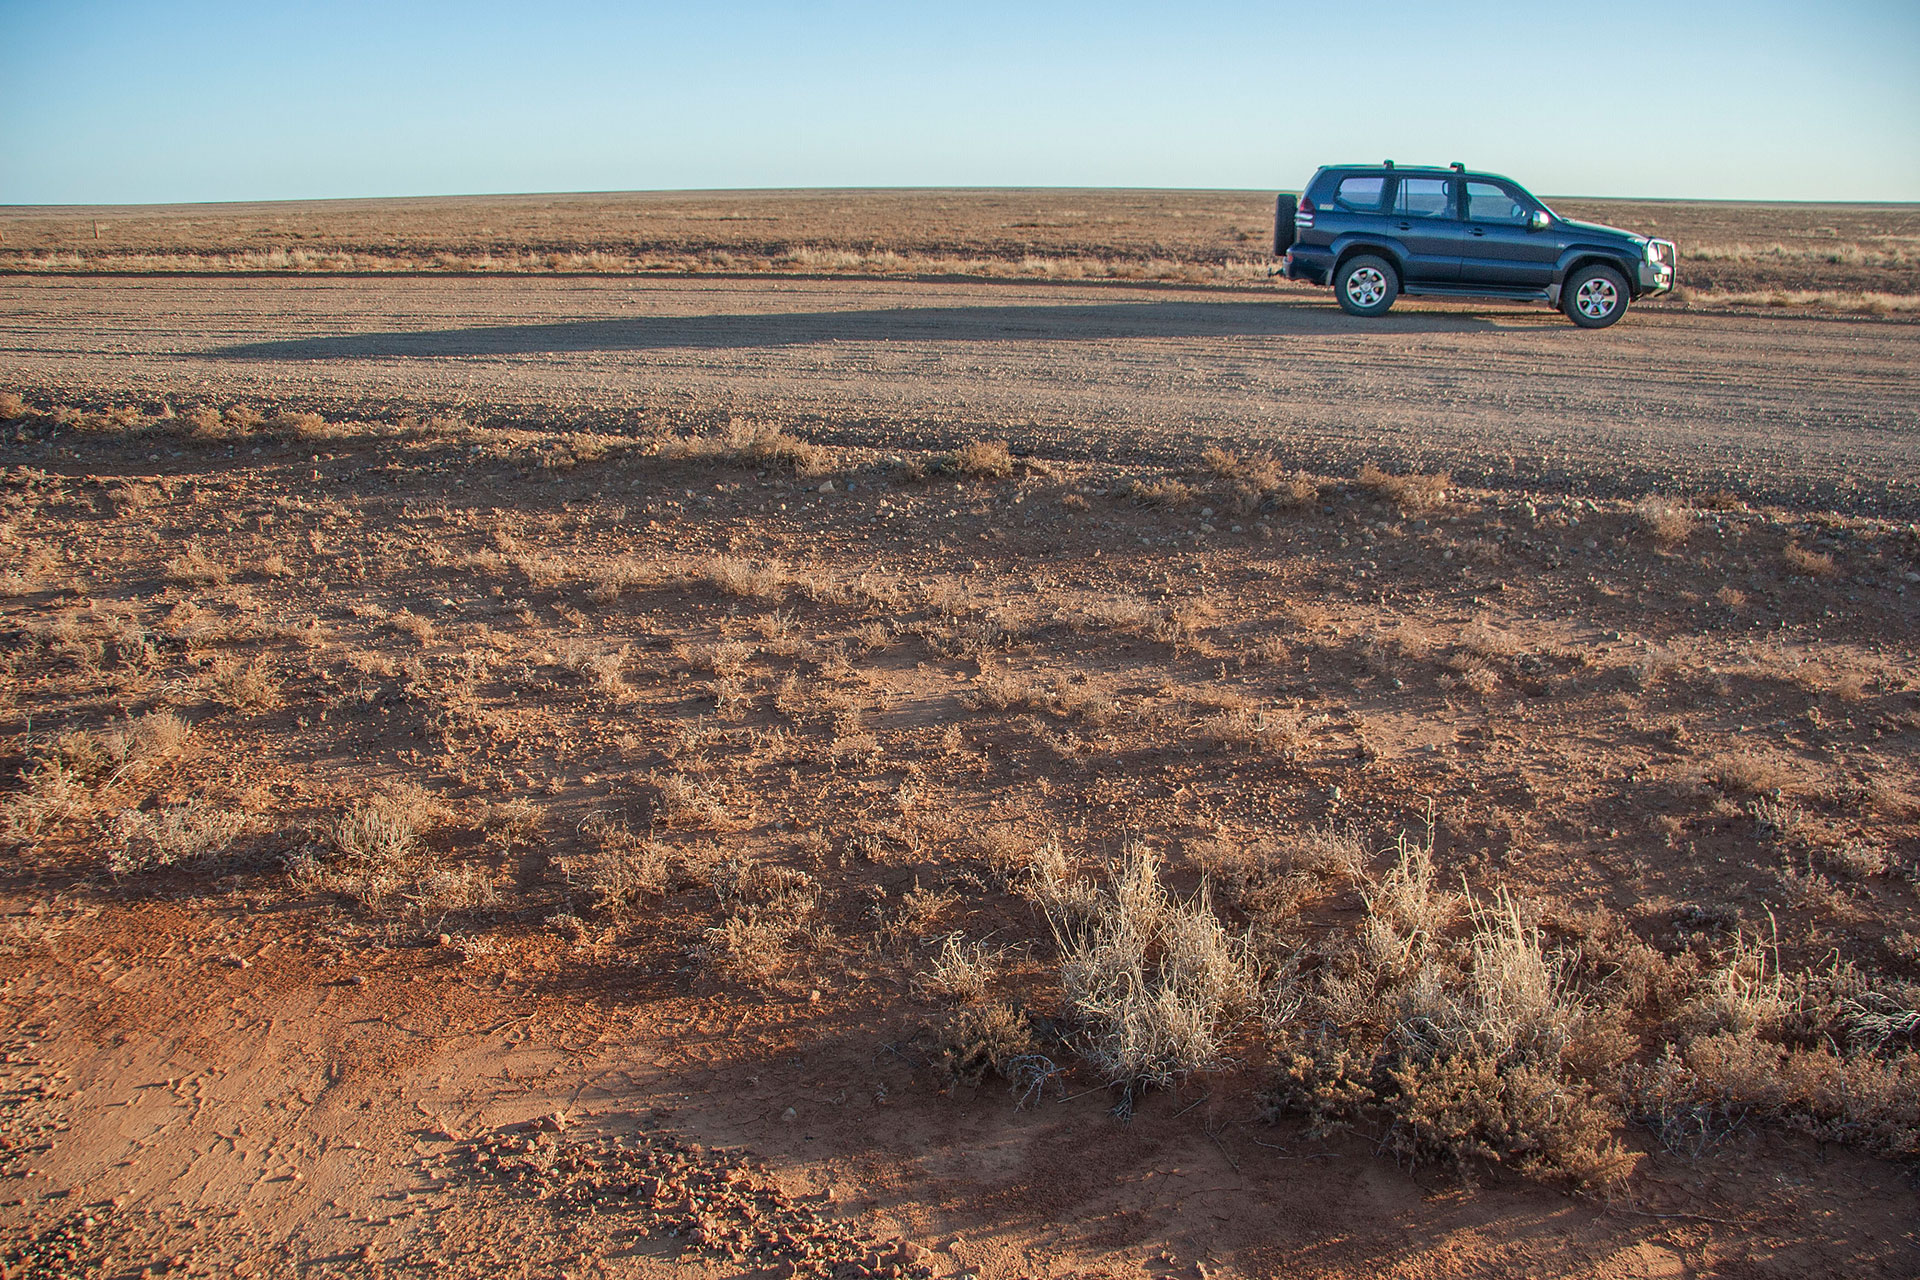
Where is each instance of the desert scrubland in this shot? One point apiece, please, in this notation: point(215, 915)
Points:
point(774, 773)
point(1849, 257)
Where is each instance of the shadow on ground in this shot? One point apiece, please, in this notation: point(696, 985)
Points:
point(1076, 323)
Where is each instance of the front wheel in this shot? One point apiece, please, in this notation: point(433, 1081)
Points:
point(1366, 286)
point(1595, 297)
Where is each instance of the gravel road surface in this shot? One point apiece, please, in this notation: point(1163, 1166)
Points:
point(1802, 410)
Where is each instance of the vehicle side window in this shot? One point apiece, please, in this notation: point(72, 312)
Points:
point(1424, 198)
point(1490, 202)
point(1362, 195)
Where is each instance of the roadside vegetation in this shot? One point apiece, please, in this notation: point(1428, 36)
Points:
point(1498, 829)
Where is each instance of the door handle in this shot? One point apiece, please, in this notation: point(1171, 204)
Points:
point(1476, 232)
point(1406, 226)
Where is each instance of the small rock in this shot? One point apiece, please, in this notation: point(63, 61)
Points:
point(789, 1115)
point(826, 486)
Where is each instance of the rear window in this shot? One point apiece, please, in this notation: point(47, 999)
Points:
point(1424, 198)
point(1361, 194)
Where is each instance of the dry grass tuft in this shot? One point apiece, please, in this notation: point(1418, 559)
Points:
point(1163, 492)
point(1664, 521)
point(1259, 482)
point(1155, 983)
point(195, 568)
point(1275, 733)
point(623, 870)
point(183, 833)
point(981, 459)
point(746, 443)
point(245, 684)
point(745, 579)
point(1413, 493)
point(1802, 563)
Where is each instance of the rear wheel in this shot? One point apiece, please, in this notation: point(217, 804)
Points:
point(1595, 297)
point(1366, 285)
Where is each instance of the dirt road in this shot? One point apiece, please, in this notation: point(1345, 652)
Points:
point(1793, 409)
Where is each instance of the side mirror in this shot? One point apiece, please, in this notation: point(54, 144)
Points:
point(1540, 221)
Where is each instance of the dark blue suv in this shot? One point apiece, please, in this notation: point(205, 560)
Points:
point(1374, 232)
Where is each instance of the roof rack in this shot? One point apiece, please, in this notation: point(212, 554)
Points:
point(1457, 167)
point(1389, 164)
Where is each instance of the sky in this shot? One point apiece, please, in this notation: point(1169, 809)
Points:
point(113, 102)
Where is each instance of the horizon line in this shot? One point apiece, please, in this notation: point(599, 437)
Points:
point(6, 208)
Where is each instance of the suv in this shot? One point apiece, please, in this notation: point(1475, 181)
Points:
point(1374, 232)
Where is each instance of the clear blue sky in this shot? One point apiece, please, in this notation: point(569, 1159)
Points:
point(104, 101)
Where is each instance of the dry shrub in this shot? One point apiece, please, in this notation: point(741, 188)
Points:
point(300, 426)
point(373, 852)
point(1164, 492)
point(11, 406)
point(1179, 625)
point(605, 671)
point(204, 422)
point(542, 571)
point(183, 833)
point(76, 751)
point(1743, 773)
point(621, 576)
point(1413, 494)
point(995, 689)
point(1155, 983)
point(960, 973)
point(745, 579)
point(1829, 1051)
point(981, 459)
point(683, 802)
point(1272, 732)
point(1117, 613)
point(1856, 859)
point(623, 870)
point(769, 909)
point(721, 657)
point(245, 684)
point(1803, 563)
point(515, 821)
point(146, 741)
point(1259, 482)
point(407, 623)
point(1662, 520)
point(986, 1037)
point(194, 567)
point(1474, 1048)
point(732, 698)
point(746, 443)
point(381, 831)
point(53, 793)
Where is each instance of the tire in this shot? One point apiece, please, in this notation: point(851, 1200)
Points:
point(1594, 297)
point(1284, 233)
point(1366, 285)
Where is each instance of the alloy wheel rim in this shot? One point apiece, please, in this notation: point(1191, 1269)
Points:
point(1597, 298)
point(1366, 287)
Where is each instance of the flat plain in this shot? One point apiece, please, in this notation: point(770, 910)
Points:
point(1022, 748)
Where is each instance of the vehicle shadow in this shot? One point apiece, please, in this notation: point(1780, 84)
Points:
point(1091, 322)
